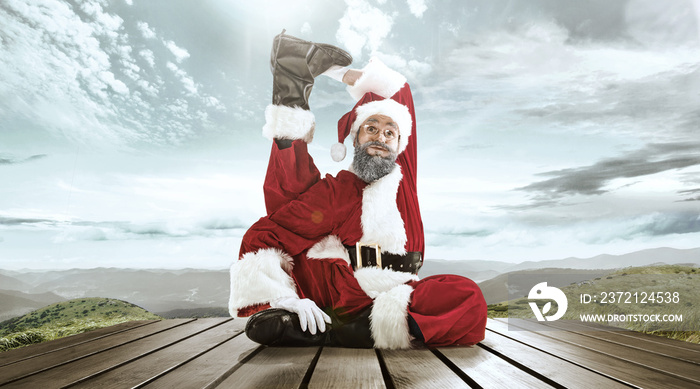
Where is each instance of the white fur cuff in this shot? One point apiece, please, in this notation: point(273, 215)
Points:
point(389, 318)
point(260, 277)
point(378, 78)
point(283, 122)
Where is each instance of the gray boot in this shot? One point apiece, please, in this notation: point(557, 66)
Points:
point(295, 63)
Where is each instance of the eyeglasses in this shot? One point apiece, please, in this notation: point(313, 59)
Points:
point(389, 133)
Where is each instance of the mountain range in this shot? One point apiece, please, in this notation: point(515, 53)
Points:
point(167, 292)
point(156, 290)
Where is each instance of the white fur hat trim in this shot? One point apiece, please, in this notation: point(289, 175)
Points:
point(396, 111)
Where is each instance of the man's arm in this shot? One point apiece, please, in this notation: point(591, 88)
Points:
point(263, 272)
point(351, 76)
point(379, 79)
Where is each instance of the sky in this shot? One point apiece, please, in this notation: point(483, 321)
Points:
point(130, 130)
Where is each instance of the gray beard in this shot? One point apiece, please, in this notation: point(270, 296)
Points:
point(370, 168)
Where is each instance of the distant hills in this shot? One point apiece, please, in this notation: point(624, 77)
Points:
point(479, 270)
point(643, 290)
point(14, 303)
point(11, 283)
point(186, 292)
point(87, 309)
point(520, 282)
point(638, 258)
point(494, 277)
point(68, 318)
point(476, 270)
point(156, 290)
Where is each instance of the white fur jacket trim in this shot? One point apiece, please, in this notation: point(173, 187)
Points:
point(388, 320)
point(381, 219)
point(328, 248)
point(259, 278)
point(375, 281)
point(283, 122)
point(377, 78)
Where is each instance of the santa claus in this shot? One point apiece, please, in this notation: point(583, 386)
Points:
point(335, 260)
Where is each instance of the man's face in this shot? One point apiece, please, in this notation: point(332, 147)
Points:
point(376, 148)
point(379, 128)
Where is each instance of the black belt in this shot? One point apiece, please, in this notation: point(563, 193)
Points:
point(371, 256)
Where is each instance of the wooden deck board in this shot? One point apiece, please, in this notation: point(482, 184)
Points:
point(347, 368)
point(490, 371)
point(273, 367)
point(650, 360)
point(16, 355)
point(625, 333)
point(133, 373)
point(210, 369)
point(558, 370)
point(47, 361)
point(420, 369)
point(625, 371)
point(214, 353)
point(68, 373)
point(649, 343)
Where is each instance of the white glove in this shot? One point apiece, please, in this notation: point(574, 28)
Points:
point(309, 313)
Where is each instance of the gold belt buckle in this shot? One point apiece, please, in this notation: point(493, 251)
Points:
point(377, 253)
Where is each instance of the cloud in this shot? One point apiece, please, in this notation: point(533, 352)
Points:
point(145, 30)
point(15, 221)
point(412, 69)
point(363, 27)
point(103, 23)
point(148, 56)
point(661, 224)
point(76, 73)
point(690, 192)
point(179, 53)
point(591, 180)
point(656, 24)
point(417, 7)
point(10, 160)
point(72, 231)
point(116, 85)
point(187, 81)
point(306, 29)
point(621, 103)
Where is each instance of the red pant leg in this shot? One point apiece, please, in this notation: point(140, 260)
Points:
point(330, 283)
point(449, 309)
point(290, 172)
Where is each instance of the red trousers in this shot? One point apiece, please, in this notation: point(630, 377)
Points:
point(449, 309)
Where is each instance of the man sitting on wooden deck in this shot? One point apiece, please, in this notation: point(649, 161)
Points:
point(335, 260)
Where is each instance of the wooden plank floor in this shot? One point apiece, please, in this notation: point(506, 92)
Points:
point(209, 353)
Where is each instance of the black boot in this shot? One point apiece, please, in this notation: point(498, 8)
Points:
point(278, 327)
point(295, 63)
point(353, 332)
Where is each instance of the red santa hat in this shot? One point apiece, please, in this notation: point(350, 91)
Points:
point(378, 93)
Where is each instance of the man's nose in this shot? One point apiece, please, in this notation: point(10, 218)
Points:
point(380, 134)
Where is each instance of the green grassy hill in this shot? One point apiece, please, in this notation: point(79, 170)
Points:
point(641, 280)
point(68, 318)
